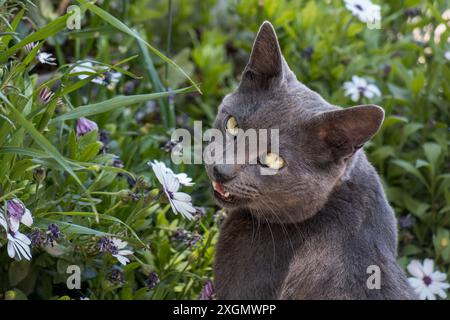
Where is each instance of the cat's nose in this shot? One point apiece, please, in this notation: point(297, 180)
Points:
point(223, 172)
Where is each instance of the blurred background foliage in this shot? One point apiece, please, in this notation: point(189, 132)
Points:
point(210, 40)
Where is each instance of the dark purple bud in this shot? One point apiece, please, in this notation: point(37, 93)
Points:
point(117, 163)
point(412, 12)
point(152, 280)
point(53, 234)
point(85, 126)
point(207, 292)
point(105, 244)
point(37, 238)
point(307, 53)
point(116, 276)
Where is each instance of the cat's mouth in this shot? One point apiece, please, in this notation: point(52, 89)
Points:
point(221, 193)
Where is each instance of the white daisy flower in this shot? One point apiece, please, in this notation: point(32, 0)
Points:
point(359, 87)
point(426, 282)
point(447, 55)
point(46, 58)
point(109, 78)
point(365, 10)
point(179, 201)
point(120, 253)
point(18, 245)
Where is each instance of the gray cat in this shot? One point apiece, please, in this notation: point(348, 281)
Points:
point(312, 230)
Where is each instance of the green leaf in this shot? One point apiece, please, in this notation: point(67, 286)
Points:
point(18, 270)
point(432, 152)
point(112, 104)
point(41, 140)
point(410, 169)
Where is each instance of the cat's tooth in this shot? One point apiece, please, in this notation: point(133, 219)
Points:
point(227, 194)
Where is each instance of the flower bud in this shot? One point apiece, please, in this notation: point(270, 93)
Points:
point(39, 174)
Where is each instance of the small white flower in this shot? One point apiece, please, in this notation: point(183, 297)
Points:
point(447, 55)
point(426, 282)
point(108, 78)
point(121, 254)
point(46, 58)
point(18, 245)
point(359, 87)
point(179, 201)
point(365, 10)
point(30, 46)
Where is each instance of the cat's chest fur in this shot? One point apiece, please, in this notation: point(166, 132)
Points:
point(253, 258)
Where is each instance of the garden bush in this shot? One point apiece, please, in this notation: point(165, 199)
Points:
point(86, 117)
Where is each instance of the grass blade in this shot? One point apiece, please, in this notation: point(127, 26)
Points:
point(114, 103)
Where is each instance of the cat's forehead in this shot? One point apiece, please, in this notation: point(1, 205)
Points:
point(265, 109)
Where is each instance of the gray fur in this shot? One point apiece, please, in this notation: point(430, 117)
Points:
point(311, 230)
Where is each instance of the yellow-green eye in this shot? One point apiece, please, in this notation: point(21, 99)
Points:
point(272, 160)
point(232, 126)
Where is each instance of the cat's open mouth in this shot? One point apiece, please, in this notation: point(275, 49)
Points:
point(220, 193)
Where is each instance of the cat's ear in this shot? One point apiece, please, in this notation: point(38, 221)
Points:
point(265, 66)
point(346, 130)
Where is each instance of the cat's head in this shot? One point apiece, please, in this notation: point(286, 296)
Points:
point(317, 141)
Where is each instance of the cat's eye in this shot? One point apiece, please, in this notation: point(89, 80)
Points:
point(232, 126)
point(272, 160)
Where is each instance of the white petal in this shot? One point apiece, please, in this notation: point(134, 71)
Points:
point(355, 96)
point(160, 171)
point(428, 267)
point(27, 218)
point(22, 238)
point(374, 89)
point(123, 260)
point(368, 94)
point(171, 182)
point(415, 268)
point(120, 244)
point(14, 224)
point(414, 282)
point(186, 209)
point(125, 252)
point(438, 276)
point(11, 251)
point(3, 221)
point(181, 196)
point(24, 249)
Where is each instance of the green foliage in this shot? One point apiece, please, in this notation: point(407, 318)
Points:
point(88, 195)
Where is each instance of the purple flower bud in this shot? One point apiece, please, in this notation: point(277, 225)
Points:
point(16, 209)
point(152, 280)
point(85, 126)
point(45, 95)
point(207, 292)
